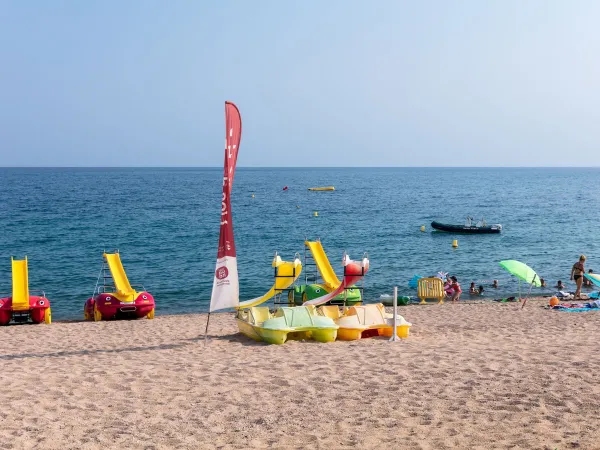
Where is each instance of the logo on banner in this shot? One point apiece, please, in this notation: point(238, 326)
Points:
point(221, 273)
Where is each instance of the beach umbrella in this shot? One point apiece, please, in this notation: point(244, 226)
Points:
point(523, 272)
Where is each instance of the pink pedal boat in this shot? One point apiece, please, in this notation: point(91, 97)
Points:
point(115, 298)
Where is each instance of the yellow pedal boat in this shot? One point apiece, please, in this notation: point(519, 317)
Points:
point(365, 321)
point(297, 323)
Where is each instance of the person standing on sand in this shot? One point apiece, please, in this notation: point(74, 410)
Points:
point(577, 274)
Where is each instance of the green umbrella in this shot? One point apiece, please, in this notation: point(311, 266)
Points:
point(523, 272)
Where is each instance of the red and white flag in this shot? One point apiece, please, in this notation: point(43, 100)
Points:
point(226, 289)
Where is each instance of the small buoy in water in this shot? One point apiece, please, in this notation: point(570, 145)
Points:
point(252, 195)
point(316, 214)
point(285, 188)
point(297, 206)
point(455, 243)
point(422, 227)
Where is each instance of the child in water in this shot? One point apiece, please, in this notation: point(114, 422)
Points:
point(481, 290)
point(456, 290)
point(560, 286)
point(448, 287)
point(472, 289)
point(495, 284)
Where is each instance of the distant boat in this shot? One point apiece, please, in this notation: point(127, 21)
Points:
point(324, 188)
point(479, 228)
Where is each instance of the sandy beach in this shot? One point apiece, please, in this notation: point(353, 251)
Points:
point(470, 376)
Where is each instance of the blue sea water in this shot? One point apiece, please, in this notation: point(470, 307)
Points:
point(166, 222)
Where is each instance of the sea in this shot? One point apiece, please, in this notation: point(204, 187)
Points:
point(165, 224)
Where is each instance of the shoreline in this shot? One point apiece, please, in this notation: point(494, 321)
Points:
point(464, 301)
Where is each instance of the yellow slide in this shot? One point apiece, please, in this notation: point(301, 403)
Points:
point(330, 279)
point(20, 285)
point(287, 272)
point(125, 292)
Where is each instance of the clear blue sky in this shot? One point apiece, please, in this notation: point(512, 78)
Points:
point(318, 82)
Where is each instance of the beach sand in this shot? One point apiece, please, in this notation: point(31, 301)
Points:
point(470, 376)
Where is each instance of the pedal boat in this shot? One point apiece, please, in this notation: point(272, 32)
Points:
point(22, 307)
point(365, 321)
point(306, 292)
point(288, 323)
point(115, 305)
point(124, 302)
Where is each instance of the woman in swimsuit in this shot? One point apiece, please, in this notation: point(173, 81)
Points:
point(456, 290)
point(577, 274)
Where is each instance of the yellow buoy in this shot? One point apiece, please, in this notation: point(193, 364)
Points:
point(316, 214)
point(422, 227)
point(252, 195)
point(455, 243)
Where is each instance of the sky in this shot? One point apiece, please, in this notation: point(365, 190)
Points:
point(318, 82)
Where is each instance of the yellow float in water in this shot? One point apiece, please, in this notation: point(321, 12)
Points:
point(324, 188)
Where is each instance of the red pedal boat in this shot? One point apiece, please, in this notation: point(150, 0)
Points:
point(115, 298)
point(22, 307)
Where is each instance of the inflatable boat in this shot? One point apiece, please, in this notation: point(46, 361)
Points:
point(479, 228)
point(322, 188)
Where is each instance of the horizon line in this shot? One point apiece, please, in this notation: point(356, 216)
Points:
point(301, 167)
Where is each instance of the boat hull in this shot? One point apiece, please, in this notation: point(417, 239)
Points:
point(107, 306)
point(361, 322)
point(39, 311)
point(278, 337)
point(464, 229)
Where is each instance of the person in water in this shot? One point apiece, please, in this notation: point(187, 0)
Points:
point(577, 272)
point(586, 281)
point(472, 289)
point(481, 290)
point(456, 290)
point(560, 286)
point(495, 284)
point(542, 282)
